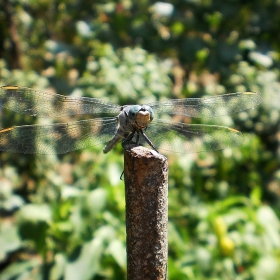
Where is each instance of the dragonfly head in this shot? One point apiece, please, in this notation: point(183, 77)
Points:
point(140, 115)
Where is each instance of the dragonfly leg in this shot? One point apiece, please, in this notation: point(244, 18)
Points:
point(137, 138)
point(148, 140)
point(128, 139)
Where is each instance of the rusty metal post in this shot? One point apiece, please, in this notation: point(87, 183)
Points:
point(146, 183)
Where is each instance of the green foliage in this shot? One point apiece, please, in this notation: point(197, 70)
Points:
point(63, 217)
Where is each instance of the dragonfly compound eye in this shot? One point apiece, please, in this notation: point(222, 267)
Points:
point(150, 110)
point(133, 111)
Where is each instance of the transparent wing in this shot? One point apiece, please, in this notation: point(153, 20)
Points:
point(46, 104)
point(191, 138)
point(208, 106)
point(57, 138)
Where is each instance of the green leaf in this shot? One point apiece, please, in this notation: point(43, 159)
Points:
point(18, 269)
point(9, 239)
point(33, 224)
point(88, 263)
point(118, 251)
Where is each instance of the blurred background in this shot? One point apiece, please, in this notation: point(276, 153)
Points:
point(63, 217)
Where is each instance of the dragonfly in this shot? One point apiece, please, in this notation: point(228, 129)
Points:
point(139, 124)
